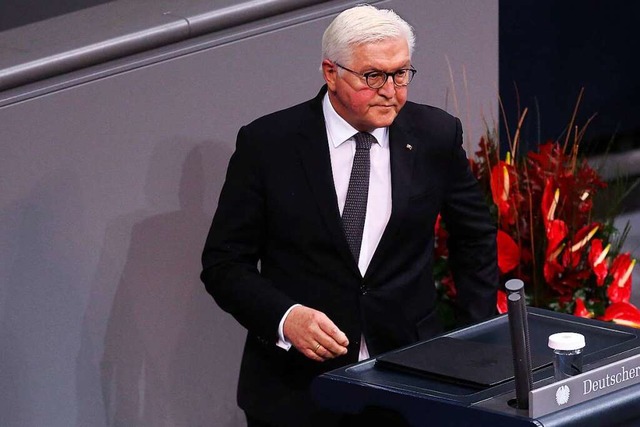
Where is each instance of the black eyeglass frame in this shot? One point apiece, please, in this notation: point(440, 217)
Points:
point(412, 72)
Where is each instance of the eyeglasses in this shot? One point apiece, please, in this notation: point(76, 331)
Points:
point(377, 79)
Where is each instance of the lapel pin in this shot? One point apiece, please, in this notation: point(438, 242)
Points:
point(409, 147)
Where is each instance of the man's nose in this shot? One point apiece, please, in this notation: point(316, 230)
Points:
point(388, 89)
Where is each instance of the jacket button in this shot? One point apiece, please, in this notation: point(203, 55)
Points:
point(363, 290)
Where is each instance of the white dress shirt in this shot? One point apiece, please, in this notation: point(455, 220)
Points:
point(342, 148)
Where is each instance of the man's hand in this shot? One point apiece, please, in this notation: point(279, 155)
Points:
point(313, 334)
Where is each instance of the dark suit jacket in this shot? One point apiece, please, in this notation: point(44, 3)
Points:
point(279, 207)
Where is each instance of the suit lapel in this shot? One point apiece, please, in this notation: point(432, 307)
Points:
point(313, 151)
point(402, 146)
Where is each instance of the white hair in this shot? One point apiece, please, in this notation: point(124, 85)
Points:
point(363, 24)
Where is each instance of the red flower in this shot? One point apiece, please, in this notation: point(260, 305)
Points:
point(620, 289)
point(508, 252)
point(552, 269)
point(544, 206)
point(556, 231)
point(501, 303)
point(583, 236)
point(550, 199)
point(622, 313)
point(581, 309)
point(501, 182)
point(597, 260)
point(449, 287)
point(441, 250)
point(546, 157)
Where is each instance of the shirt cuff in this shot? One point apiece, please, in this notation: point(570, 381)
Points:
point(283, 343)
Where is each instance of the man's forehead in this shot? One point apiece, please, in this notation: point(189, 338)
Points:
point(381, 54)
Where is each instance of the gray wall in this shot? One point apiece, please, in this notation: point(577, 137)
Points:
point(108, 187)
point(15, 13)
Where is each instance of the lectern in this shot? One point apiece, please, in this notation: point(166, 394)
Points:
point(477, 389)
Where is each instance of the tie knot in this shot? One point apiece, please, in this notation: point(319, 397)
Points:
point(364, 140)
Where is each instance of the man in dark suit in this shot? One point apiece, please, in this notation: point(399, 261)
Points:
point(323, 236)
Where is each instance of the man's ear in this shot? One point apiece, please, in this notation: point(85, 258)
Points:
point(330, 74)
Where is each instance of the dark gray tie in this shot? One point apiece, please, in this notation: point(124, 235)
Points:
point(355, 205)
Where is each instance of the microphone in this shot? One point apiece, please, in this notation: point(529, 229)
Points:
point(515, 286)
point(519, 328)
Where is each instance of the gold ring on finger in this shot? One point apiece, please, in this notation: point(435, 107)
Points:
point(317, 347)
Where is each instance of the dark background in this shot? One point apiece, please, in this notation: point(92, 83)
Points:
point(551, 49)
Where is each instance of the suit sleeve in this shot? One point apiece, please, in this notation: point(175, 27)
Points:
point(234, 244)
point(472, 240)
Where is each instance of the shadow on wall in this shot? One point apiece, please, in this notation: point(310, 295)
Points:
point(170, 356)
point(39, 304)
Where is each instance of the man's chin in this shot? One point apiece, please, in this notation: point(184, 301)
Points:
point(384, 120)
point(377, 121)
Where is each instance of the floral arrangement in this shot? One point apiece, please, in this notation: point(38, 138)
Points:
point(549, 233)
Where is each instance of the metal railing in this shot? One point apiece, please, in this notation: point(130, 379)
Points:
point(116, 29)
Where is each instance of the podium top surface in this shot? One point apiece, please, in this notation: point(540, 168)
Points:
point(372, 383)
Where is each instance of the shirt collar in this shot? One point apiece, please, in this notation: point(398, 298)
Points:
point(339, 131)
